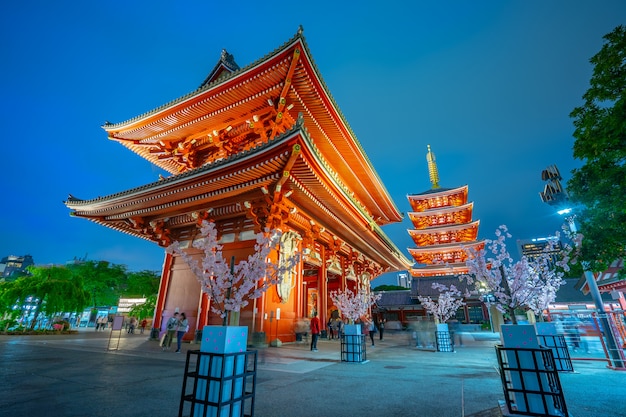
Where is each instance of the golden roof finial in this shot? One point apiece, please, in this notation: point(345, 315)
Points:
point(432, 168)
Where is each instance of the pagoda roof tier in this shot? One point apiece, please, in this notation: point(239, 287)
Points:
point(289, 172)
point(437, 198)
point(440, 235)
point(439, 270)
point(446, 253)
point(237, 109)
point(443, 216)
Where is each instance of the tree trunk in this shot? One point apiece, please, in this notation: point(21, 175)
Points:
point(507, 290)
point(512, 314)
point(32, 323)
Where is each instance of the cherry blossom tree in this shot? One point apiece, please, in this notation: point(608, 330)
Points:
point(354, 305)
point(527, 283)
point(230, 286)
point(446, 305)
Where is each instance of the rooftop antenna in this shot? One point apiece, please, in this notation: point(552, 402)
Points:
point(433, 173)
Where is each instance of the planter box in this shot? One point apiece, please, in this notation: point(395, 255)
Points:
point(353, 344)
point(228, 384)
point(221, 372)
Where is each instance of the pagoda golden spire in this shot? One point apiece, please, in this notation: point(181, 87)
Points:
point(432, 168)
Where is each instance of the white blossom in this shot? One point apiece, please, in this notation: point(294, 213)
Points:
point(249, 279)
point(449, 301)
point(351, 305)
point(527, 283)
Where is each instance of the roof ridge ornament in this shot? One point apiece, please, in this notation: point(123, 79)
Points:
point(433, 173)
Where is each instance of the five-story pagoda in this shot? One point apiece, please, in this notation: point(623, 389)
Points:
point(442, 227)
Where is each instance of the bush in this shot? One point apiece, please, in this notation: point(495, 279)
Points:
point(5, 324)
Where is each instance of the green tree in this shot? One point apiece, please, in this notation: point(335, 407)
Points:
point(56, 290)
point(7, 298)
point(144, 310)
point(104, 281)
point(142, 284)
point(599, 186)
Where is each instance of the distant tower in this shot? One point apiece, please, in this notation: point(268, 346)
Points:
point(403, 280)
point(442, 221)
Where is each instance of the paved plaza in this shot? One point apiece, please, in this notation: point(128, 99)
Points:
point(78, 375)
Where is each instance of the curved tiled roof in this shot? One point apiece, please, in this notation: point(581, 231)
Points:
point(311, 180)
point(176, 120)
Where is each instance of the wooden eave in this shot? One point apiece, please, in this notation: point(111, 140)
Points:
point(226, 184)
point(465, 232)
point(460, 214)
point(439, 270)
point(419, 202)
point(436, 254)
point(449, 247)
point(220, 105)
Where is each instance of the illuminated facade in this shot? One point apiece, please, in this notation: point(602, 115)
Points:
point(264, 146)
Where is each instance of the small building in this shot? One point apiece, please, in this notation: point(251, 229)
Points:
point(404, 306)
point(13, 266)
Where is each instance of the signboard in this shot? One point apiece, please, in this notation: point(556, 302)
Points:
point(125, 304)
point(118, 321)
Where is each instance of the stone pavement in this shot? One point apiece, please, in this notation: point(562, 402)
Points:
point(78, 375)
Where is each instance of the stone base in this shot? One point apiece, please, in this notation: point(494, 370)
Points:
point(276, 343)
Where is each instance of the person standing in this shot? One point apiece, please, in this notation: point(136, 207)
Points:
point(183, 327)
point(144, 323)
point(133, 324)
point(381, 329)
point(315, 332)
point(331, 331)
point(172, 325)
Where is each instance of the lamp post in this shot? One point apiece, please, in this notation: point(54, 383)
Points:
point(555, 195)
point(487, 299)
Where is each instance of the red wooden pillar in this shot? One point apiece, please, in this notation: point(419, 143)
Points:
point(166, 276)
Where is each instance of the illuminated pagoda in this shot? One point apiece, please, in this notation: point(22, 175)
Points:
point(443, 226)
point(263, 146)
point(442, 221)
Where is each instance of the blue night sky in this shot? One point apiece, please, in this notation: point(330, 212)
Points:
point(488, 84)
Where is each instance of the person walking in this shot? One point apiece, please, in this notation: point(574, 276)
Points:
point(371, 329)
point(172, 325)
point(315, 332)
point(144, 323)
point(381, 329)
point(183, 327)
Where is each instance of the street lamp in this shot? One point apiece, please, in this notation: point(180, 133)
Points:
point(487, 298)
point(555, 195)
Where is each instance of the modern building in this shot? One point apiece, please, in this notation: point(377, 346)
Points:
point(533, 248)
point(263, 146)
point(13, 266)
